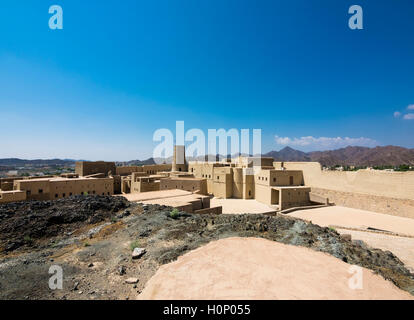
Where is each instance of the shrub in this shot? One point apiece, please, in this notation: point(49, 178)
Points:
point(134, 244)
point(174, 213)
point(27, 239)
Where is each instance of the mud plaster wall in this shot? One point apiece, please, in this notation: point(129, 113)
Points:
point(398, 185)
point(379, 191)
point(392, 206)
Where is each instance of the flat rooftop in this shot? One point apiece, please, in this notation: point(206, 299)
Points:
point(175, 201)
point(61, 179)
point(11, 191)
point(183, 178)
point(152, 195)
point(290, 187)
point(241, 206)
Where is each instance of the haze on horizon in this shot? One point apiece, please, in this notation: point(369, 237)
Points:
point(99, 88)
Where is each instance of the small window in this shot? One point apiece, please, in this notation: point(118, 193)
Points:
point(274, 179)
point(218, 178)
point(40, 191)
point(250, 193)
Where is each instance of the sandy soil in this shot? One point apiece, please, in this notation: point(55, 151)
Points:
point(354, 218)
point(240, 206)
point(253, 268)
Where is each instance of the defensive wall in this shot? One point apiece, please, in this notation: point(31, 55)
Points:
point(380, 191)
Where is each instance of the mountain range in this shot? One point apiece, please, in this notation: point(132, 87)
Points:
point(349, 156)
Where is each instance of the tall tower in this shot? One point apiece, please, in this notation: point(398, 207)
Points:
point(179, 162)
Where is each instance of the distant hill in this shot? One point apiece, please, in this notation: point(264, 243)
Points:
point(11, 163)
point(349, 156)
point(136, 162)
point(15, 162)
point(288, 154)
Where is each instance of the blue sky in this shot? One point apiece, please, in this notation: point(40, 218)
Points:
point(118, 71)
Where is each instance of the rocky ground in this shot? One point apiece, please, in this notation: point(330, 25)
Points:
point(93, 239)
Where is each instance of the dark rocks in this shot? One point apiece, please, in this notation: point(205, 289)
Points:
point(123, 214)
point(122, 270)
point(44, 219)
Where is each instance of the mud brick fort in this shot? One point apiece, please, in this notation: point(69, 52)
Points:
point(189, 186)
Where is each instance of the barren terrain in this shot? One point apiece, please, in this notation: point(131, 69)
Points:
point(94, 247)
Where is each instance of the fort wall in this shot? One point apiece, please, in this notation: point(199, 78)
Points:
point(188, 184)
point(398, 185)
point(387, 205)
point(12, 196)
point(127, 170)
point(374, 190)
point(86, 168)
point(57, 188)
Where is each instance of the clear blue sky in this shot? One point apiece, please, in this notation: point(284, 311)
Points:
point(119, 70)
